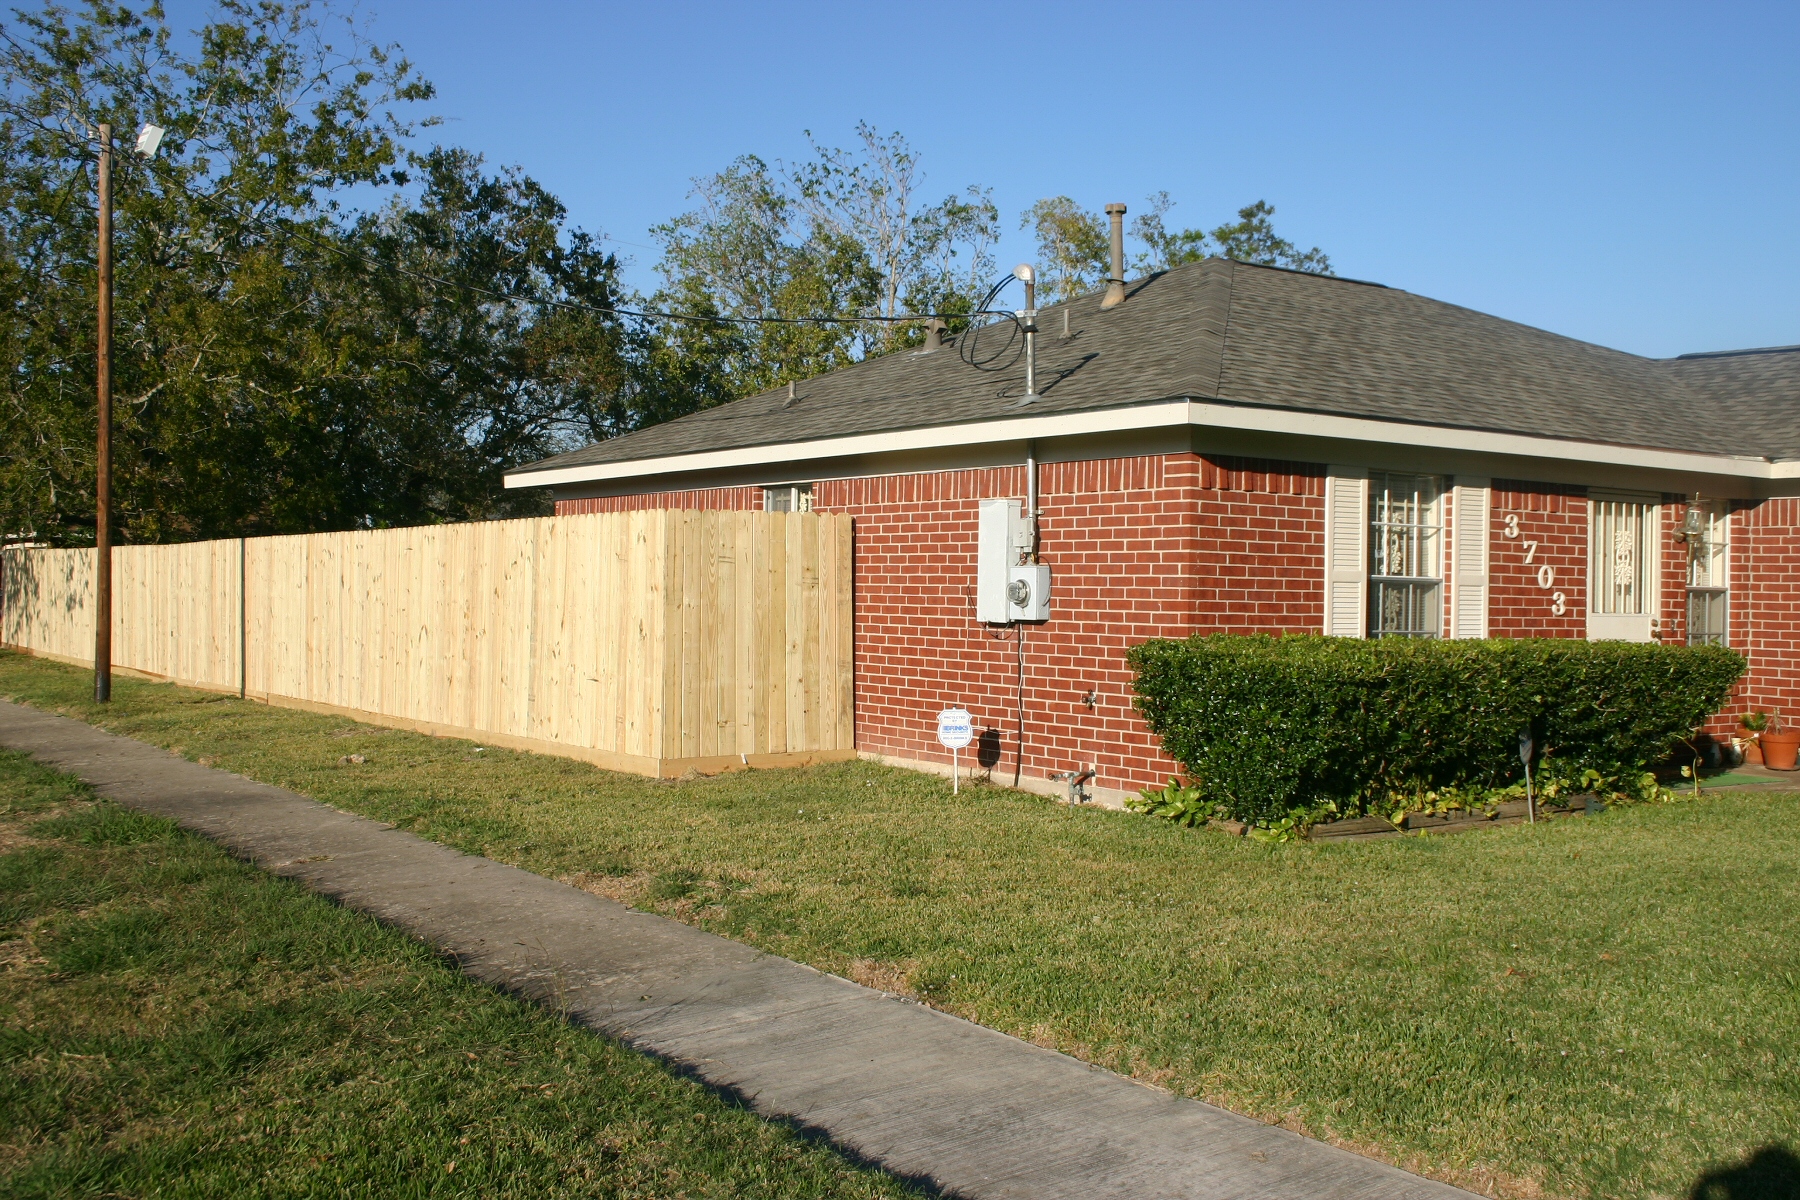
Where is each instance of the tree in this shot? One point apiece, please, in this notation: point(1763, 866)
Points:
point(485, 339)
point(868, 199)
point(282, 363)
point(748, 253)
point(790, 251)
point(1250, 239)
point(1162, 248)
point(1073, 247)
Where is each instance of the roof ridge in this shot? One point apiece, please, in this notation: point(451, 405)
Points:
point(1297, 271)
point(1225, 328)
point(1736, 353)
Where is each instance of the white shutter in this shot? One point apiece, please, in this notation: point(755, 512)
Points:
point(1346, 552)
point(1469, 564)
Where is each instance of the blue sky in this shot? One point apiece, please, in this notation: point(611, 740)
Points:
point(1620, 173)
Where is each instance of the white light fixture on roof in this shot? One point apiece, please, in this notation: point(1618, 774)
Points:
point(149, 138)
point(1028, 323)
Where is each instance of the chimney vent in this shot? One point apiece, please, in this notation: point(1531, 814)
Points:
point(1115, 286)
point(937, 333)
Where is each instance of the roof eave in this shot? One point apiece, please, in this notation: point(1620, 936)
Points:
point(1165, 414)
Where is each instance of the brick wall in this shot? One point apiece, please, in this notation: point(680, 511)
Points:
point(1555, 518)
point(1765, 605)
point(1154, 546)
point(733, 498)
point(1120, 538)
point(1168, 545)
point(1261, 545)
point(1670, 611)
point(1148, 546)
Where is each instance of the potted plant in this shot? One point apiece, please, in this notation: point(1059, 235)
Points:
point(1753, 724)
point(1780, 746)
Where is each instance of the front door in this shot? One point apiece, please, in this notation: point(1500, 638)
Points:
point(1622, 533)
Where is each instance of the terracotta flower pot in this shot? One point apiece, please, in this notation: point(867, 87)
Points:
point(1751, 751)
point(1780, 749)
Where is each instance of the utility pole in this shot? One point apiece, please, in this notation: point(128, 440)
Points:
point(103, 440)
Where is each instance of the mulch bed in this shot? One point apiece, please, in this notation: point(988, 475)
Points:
point(1510, 813)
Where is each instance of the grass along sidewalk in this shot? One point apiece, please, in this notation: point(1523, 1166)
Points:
point(177, 1022)
point(1604, 1007)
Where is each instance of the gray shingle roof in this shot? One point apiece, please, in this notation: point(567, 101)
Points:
point(1219, 330)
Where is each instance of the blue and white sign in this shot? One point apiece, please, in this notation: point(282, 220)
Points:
point(956, 728)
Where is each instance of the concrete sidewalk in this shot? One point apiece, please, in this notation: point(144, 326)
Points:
point(928, 1096)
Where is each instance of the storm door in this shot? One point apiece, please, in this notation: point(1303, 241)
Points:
point(1622, 534)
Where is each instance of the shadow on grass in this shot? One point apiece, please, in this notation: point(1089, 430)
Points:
point(1771, 1173)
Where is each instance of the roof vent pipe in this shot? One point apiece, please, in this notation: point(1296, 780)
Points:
point(1115, 286)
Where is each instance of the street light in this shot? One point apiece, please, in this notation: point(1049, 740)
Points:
point(149, 138)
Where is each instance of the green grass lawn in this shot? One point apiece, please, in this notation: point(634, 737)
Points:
point(1591, 1007)
point(177, 1023)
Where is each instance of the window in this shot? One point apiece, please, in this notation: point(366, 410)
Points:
point(1708, 583)
point(1405, 556)
point(791, 498)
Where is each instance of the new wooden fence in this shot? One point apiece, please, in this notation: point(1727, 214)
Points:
point(654, 641)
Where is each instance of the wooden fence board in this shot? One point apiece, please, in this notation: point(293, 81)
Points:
point(810, 531)
point(772, 605)
point(743, 633)
point(842, 596)
point(652, 640)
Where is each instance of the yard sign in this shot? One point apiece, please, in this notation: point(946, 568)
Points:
point(956, 729)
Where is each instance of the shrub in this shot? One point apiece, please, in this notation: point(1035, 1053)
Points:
point(1182, 805)
point(1269, 725)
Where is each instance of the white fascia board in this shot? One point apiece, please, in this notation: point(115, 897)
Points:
point(1517, 445)
point(1107, 420)
point(1164, 414)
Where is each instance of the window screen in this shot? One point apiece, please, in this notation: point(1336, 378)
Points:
point(1708, 580)
point(1706, 616)
point(1405, 556)
point(791, 498)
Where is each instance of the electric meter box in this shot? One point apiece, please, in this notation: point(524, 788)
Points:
point(1028, 592)
point(1001, 530)
point(1003, 544)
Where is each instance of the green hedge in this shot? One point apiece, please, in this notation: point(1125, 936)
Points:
point(1268, 725)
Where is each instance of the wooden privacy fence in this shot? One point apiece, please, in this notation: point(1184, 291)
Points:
point(655, 642)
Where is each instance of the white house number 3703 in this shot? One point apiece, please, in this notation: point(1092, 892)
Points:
point(1546, 574)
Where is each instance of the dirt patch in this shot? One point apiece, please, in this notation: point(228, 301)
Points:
point(894, 978)
point(13, 825)
point(13, 838)
point(21, 951)
point(1154, 1077)
point(1484, 1180)
point(622, 889)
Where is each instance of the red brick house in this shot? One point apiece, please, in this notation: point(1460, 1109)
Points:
point(1243, 448)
